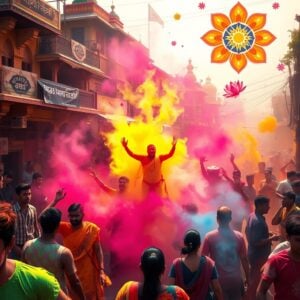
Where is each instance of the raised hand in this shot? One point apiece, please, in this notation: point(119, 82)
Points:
point(124, 142)
point(232, 157)
point(202, 159)
point(60, 194)
point(174, 142)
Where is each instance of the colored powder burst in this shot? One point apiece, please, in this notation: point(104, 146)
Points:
point(280, 67)
point(249, 155)
point(201, 5)
point(177, 16)
point(268, 124)
point(158, 110)
point(275, 5)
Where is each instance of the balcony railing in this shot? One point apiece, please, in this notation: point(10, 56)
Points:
point(60, 45)
point(87, 99)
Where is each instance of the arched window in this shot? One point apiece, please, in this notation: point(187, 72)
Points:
point(27, 60)
point(8, 54)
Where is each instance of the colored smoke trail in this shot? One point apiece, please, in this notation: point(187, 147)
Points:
point(249, 155)
point(159, 108)
point(268, 124)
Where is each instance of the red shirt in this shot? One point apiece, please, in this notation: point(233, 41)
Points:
point(284, 272)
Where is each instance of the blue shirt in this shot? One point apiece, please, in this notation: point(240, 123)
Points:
point(257, 230)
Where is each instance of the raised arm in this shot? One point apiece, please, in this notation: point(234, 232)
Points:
point(235, 167)
point(103, 186)
point(171, 153)
point(129, 152)
point(202, 159)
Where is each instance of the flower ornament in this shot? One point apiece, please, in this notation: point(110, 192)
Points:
point(280, 67)
point(201, 5)
point(238, 38)
point(275, 5)
point(233, 89)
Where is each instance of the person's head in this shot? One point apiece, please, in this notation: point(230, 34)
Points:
point(49, 220)
point(153, 266)
point(288, 199)
point(291, 176)
point(23, 192)
point(37, 178)
point(192, 241)
point(250, 180)
point(292, 228)
point(224, 216)
point(236, 176)
point(262, 204)
point(151, 150)
point(7, 231)
point(123, 183)
point(296, 187)
point(268, 174)
point(261, 166)
point(75, 213)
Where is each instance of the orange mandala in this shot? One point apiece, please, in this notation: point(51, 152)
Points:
point(238, 38)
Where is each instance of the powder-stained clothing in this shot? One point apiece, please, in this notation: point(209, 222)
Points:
point(195, 284)
point(284, 273)
point(257, 230)
point(226, 247)
point(48, 256)
point(30, 283)
point(26, 225)
point(130, 291)
point(81, 242)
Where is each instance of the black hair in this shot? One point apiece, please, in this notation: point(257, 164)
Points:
point(153, 266)
point(22, 187)
point(292, 225)
point(50, 219)
point(224, 214)
point(7, 223)
point(36, 176)
point(75, 206)
point(260, 200)
point(192, 241)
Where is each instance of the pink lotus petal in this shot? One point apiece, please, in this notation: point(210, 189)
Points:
point(233, 89)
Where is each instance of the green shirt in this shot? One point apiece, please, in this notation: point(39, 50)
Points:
point(30, 283)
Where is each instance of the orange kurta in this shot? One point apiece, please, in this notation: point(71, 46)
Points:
point(81, 241)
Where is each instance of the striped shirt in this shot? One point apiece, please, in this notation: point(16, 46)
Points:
point(26, 225)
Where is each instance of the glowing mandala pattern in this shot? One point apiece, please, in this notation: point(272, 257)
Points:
point(238, 38)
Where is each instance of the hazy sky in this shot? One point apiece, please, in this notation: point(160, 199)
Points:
point(262, 80)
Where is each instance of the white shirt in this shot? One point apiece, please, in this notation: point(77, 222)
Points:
point(284, 186)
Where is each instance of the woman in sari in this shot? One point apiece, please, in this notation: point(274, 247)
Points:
point(195, 273)
point(152, 266)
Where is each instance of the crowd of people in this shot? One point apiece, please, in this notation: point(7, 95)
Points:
point(43, 257)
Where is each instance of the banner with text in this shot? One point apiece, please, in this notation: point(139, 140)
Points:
point(59, 94)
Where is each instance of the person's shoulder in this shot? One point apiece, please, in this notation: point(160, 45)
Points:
point(280, 256)
point(91, 225)
point(180, 294)
point(212, 233)
point(34, 272)
point(238, 234)
point(207, 260)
